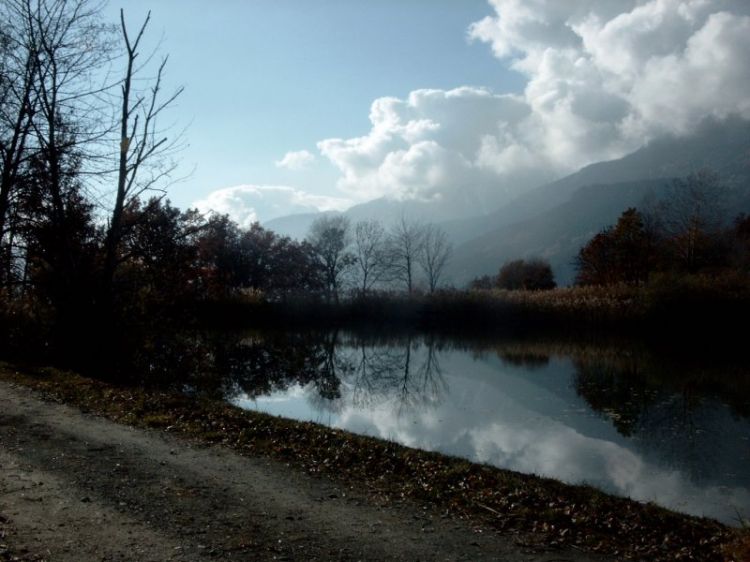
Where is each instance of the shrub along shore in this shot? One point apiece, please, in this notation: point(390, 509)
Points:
point(541, 511)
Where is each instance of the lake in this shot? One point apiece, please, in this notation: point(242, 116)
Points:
point(615, 417)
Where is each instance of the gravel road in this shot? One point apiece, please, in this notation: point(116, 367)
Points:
point(75, 487)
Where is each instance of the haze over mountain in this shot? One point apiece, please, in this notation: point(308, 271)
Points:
point(720, 146)
point(554, 220)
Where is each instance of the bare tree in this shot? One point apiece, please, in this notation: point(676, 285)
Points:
point(18, 57)
point(51, 50)
point(144, 148)
point(60, 48)
point(434, 255)
point(693, 214)
point(71, 47)
point(369, 253)
point(329, 237)
point(405, 242)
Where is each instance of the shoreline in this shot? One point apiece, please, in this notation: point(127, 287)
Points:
point(541, 509)
point(695, 309)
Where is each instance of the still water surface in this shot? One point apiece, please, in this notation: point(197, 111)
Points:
point(613, 418)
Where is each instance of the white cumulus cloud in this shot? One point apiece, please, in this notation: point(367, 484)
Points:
point(603, 78)
point(433, 143)
point(606, 76)
point(247, 204)
point(296, 160)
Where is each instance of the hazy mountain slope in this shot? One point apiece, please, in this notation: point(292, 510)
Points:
point(556, 234)
point(295, 226)
point(459, 205)
point(722, 147)
point(559, 233)
point(555, 220)
point(384, 210)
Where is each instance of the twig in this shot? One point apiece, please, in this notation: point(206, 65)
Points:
point(488, 508)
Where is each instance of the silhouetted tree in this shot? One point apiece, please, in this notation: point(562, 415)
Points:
point(61, 256)
point(256, 257)
point(625, 253)
point(277, 265)
point(329, 238)
point(370, 253)
point(693, 215)
point(634, 248)
point(18, 60)
point(434, 254)
point(512, 275)
point(483, 283)
point(531, 275)
point(158, 261)
point(218, 254)
point(405, 242)
point(50, 119)
point(595, 262)
point(296, 270)
point(144, 149)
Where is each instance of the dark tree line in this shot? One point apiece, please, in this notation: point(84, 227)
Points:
point(687, 232)
point(83, 168)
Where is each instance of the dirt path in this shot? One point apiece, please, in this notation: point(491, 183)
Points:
point(77, 487)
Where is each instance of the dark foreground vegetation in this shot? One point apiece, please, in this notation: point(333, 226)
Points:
point(540, 511)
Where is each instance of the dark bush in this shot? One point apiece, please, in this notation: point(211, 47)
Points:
point(531, 275)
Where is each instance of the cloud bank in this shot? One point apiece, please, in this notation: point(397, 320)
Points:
point(296, 160)
point(603, 78)
point(247, 204)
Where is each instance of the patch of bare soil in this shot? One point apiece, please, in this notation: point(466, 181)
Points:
point(78, 487)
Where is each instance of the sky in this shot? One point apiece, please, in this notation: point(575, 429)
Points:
point(292, 105)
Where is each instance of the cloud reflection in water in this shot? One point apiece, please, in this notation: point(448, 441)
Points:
point(526, 419)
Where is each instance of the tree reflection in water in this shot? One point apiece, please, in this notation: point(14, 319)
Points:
point(406, 372)
point(258, 365)
point(640, 392)
point(636, 390)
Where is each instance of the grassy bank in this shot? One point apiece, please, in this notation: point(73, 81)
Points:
point(535, 509)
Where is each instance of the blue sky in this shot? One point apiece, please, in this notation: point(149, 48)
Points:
point(265, 77)
point(468, 102)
